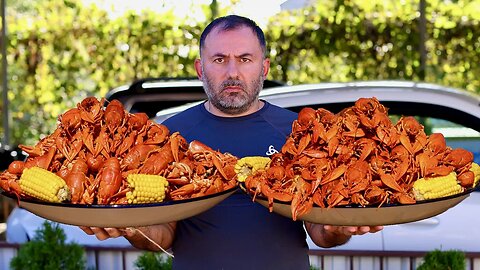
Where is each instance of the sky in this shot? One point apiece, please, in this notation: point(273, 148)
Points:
point(258, 10)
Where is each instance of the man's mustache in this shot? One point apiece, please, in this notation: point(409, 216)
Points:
point(232, 82)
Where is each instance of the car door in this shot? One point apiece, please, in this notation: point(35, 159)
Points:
point(447, 231)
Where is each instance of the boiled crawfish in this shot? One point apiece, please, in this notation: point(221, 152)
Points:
point(358, 156)
point(94, 149)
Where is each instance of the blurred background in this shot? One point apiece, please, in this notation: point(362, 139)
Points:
point(55, 53)
point(59, 52)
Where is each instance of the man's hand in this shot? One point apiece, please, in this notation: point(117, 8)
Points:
point(105, 233)
point(147, 238)
point(330, 236)
point(347, 230)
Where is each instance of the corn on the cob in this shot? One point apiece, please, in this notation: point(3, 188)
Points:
point(436, 187)
point(249, 165)
point(476, 170)
point(146, 188)
point(44, 185)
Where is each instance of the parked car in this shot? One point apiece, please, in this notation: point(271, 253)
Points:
point(453, 112)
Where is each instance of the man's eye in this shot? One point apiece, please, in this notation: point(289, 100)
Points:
point(219, 60)
point(245, 60)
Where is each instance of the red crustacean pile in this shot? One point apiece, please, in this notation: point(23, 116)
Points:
point(355, 157)
point(95, 147)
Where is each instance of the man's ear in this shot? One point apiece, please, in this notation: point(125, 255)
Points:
point(266, 67)
point(198, 68)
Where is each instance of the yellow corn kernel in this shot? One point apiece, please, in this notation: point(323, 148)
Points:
point(476, 170)
point(436, 187)
point(249, 165)
point(44, 185)
point(146, 188)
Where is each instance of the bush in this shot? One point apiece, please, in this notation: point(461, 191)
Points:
point(153, 261)
point(443, 260)
point(48, 251)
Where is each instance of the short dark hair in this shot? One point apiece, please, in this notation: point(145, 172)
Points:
point(231, 22)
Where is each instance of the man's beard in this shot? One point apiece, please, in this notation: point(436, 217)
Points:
point(233, 103)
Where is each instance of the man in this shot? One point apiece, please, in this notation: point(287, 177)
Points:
point(237, 233)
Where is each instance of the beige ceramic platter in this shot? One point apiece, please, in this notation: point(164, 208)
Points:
point(121, 216)
point(373, 215)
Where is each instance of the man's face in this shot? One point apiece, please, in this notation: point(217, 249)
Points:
point(232, 69)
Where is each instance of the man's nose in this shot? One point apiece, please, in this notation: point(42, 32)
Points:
point(232, 69)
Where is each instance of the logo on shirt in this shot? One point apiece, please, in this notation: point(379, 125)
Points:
point(271, 150)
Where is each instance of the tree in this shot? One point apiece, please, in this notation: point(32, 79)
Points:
point(48, 251)
point(59, 52)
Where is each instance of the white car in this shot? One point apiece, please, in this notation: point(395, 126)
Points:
point(454, 113)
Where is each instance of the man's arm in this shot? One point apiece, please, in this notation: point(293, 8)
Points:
point(330, 236)
point(162, 234)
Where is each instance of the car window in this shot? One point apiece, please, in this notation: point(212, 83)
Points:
point(457, 136)
point(150, 95)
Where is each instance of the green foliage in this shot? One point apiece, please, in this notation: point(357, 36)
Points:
point(153, 261)
point(49, 251)
point(443, 260)
point(59, 52)
point(366, 40)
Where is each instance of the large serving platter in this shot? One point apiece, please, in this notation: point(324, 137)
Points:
point(372, 215)
point(121, 216)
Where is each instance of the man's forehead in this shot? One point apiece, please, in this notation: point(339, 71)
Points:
point(219, 30)
point(219, 38)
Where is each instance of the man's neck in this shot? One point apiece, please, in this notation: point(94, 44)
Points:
point(256, 106)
